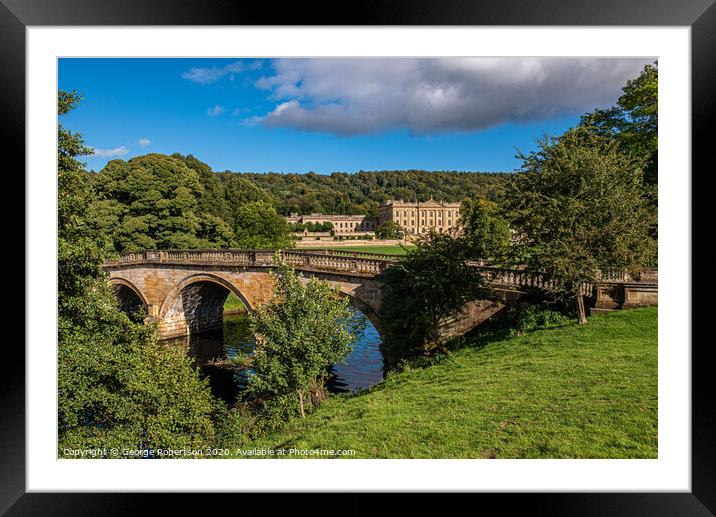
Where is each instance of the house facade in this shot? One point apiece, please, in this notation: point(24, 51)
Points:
point(419, 217)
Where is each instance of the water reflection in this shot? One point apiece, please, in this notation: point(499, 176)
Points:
point(362, 369)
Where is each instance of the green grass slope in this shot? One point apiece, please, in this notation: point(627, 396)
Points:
point(586, 391)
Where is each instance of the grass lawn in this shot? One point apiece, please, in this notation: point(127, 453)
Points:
point(393, 249)
point(577, 391)
point(233, 303)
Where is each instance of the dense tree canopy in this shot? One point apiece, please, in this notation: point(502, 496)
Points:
point(259, 226)
point(152, 202)
point(578, 206)
point(362, 192)
point(633, 122)
point(486, 232)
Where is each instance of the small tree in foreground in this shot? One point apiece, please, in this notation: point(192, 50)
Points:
point(577, 207)
point(301, 332)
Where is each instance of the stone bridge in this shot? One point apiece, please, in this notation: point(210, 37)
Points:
point(185, 291)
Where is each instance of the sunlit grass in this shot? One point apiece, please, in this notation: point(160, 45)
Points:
point(233, 304)
point(577, 391)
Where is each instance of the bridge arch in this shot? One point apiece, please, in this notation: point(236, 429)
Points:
point(366, 309)
point(129, 296)
point(196, 304)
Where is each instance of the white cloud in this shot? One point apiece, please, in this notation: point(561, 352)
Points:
point(211, 75)
point(215, 111)
point(109, 153)
point(144, 142)
point(358, 96)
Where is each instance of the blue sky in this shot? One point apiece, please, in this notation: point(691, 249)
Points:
point(325, 115)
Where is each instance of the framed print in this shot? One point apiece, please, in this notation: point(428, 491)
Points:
point(417, 249)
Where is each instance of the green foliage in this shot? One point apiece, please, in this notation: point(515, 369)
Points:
point(116, 386)
point(633, 122)
point(301, 332)
point(152, 202)
point(486, 232)
point(430, 283)
point(259, 226)
point(213, 232)
point(212, 200)
point(389, 230)
point(578, 206)
point(518, 318)
point(362, 192)
point(233, 303)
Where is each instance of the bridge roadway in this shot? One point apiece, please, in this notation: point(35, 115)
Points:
point(185, 290)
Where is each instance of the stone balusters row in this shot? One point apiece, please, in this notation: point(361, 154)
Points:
point(328, 262)
point(515, 277)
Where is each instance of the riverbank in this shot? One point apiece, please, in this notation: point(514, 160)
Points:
point(575, 391)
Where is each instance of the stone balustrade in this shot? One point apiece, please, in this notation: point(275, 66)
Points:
point(356, 263)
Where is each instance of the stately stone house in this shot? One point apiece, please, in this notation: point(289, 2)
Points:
point(416, 217)
point(342, 224)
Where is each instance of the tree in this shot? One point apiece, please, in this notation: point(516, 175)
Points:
point(237, 192)
point(116, 386)
point(633, 122)
point(301, 332)
point(578, 206)
point(213, 232)
point(259, 226)
point(389, 230)
point(212, 200)
point(432, 282)
point(485, 231)
point(152, 202)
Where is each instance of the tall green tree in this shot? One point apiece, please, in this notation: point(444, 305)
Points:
point(116, 386)
point(259, 226)
point(578, 206)
point(153, 202)
point(633, 122)
point(431, 283)
point(301, 332)
point(485, 231)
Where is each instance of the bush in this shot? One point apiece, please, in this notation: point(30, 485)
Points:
point(304, 329)
point(524, 317)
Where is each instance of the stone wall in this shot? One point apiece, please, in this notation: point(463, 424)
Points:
point(186, 299)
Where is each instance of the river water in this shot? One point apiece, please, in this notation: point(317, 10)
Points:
point(362, 368)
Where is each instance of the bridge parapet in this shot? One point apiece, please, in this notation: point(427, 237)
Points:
point(308, 260)
point(358, 264)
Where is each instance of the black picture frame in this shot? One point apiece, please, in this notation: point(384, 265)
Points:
point(700, 15)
